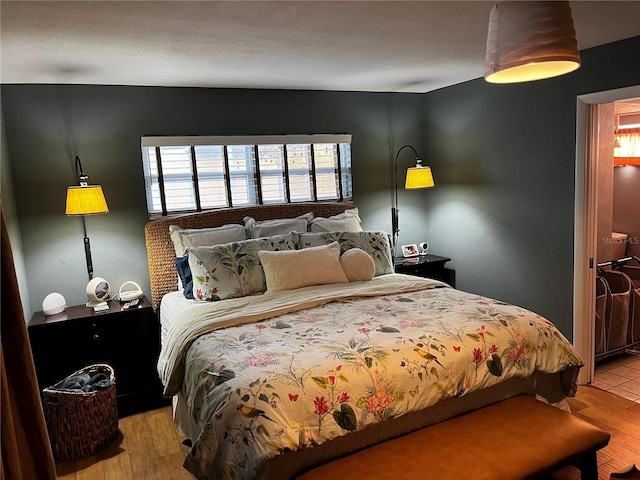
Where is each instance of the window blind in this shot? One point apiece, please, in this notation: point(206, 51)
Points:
point(193, 173)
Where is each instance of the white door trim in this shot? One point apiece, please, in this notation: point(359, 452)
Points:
point(585, 225)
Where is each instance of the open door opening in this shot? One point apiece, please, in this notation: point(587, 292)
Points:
point(589, 194)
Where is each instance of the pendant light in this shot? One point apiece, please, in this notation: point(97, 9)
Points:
point(530, 41)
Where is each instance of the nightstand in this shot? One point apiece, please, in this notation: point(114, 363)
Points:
point(430, 266)
point(127, 340)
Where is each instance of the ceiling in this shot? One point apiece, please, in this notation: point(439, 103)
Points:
point(390, 46)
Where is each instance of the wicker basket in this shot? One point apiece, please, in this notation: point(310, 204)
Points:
point(81, 423)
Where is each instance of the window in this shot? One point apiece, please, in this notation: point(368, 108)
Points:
point(626, 150)
point(184, 174)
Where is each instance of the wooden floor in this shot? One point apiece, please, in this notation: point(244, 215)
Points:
point(150, 448)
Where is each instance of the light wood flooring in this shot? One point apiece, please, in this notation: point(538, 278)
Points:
point(150, 448)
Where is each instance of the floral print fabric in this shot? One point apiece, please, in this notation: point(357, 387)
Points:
point(299, 379)
point(233, 269)
point(377, 244)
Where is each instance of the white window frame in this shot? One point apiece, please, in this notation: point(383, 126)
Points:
point(161, 203)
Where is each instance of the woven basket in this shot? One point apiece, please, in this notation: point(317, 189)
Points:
point(81, 423)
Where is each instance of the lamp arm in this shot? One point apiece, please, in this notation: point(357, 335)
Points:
point(81, 177)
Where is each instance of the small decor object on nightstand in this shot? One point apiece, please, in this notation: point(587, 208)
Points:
point(97, 292)
point(132, 294)
point(53, 303)
point(409, 250)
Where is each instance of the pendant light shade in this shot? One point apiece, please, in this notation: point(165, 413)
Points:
point(530, 41)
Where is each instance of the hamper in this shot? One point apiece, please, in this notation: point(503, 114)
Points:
point(602, 295)
point(617, 315)
point(633, 271)
point(81, 423)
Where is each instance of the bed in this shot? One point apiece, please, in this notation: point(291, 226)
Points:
point(269, 385)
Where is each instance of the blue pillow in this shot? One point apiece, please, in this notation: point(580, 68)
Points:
point(184, 271)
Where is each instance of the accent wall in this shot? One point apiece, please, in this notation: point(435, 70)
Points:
point(48, 125)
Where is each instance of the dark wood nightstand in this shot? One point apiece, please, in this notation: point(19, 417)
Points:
point(429, 266)
point(127, 340)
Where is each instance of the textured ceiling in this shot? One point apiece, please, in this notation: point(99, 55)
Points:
point(352, 46)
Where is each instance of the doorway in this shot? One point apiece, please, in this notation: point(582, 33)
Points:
point(585, 232)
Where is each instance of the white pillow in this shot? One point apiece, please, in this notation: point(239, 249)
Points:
point(288, 270)
point(276, 226)
point(357, 265)
point(203, 237)
point(347, 221)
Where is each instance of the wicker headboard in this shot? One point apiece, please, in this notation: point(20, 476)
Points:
point(161, 253)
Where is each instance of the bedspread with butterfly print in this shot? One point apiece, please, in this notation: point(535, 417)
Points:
point(292, 381)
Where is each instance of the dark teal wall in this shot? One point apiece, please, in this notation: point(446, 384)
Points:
point(504, 157)
point(47, 125)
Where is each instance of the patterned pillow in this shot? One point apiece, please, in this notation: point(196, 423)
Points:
point(376, 243)
point(233, 269)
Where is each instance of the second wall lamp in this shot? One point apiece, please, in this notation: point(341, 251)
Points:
point(417, 177)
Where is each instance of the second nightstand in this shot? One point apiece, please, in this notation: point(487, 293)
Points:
point(429, 266)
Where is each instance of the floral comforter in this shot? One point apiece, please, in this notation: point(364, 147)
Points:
point(339, 358)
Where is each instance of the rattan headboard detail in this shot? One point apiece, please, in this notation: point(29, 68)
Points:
point(160, 251)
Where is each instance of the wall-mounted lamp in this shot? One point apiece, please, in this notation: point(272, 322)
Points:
point(85, 200)
point(530, 41)
point(417, 177)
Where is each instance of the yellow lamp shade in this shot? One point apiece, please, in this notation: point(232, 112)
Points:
point(87, 200)
point(418, 177)
point(530, 41)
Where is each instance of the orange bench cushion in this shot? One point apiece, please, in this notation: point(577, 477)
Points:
point(513, 439)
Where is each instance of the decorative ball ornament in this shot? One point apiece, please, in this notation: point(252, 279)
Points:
point(53, 303)
point(97, 292)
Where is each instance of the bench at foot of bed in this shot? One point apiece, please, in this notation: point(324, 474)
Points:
point(518, 438)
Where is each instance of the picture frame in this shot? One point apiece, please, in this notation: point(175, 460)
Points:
point(410, 250)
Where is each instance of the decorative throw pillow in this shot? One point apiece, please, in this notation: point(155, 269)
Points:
point(357, 265)
point(288, 270)
point(233, 269)
point(199, 237)
point(184, 273)
point(347, 221)
point(376, 243)
point(277, 226)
